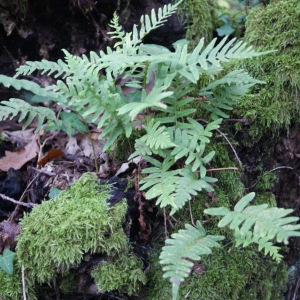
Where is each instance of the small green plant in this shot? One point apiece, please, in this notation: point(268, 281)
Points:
point(174, 144)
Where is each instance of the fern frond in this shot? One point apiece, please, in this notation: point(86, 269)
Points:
point(184, 246)
point(9, 109)
point(161, 181)
point(32, 87)
point(47, 67)
point(156, 137)
point(269, 223)
point(153, 100)
point(224, 93)
point(190, 184)
point(129, 41)
point(263, 244)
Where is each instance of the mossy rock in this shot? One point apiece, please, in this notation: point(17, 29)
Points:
point(274, 105)
point(58, 233)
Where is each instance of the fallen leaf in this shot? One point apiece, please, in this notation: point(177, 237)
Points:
point(17, 159)
point(52, 154)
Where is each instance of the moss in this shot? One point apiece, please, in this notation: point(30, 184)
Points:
point(275, 104)
point(198, 17)
point(57, 233)
point(230, 273)
point(11, 286)
point(123, 274)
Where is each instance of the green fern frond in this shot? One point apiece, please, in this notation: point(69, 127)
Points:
point(263, 244)
point(156, 137)
point(224, 93)
point(47, 67)
point(190, 184)
point(9, 109)
point(269, 223)
point(32, 87)
point(129, 41)
point(161, 181)
point(185, 246)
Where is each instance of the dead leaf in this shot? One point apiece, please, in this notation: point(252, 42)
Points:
point(52, 154)
point(17, 159)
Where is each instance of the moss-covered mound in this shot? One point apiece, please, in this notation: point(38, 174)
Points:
point(275, 104)
point(56, 235)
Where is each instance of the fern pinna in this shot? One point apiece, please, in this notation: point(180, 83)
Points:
point(174, 144)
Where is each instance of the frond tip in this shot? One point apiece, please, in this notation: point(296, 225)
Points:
point(184, 246)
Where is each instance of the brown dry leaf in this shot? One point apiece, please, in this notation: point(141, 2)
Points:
point(17, 159)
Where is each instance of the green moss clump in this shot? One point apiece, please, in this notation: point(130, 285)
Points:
point(198, 18)
point(57, 233)
point(123, 274)
point(275, 104)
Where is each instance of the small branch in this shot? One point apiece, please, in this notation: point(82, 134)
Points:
point(191, 214)
point(222, 169)
point(283, 167)
point(23, 284)
point(17, 202)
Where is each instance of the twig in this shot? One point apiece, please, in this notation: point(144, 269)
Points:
point(17, 202)
point(222, 169)
point(23, 284)
point(21, 199)
point(56, 289)
point(191, 214)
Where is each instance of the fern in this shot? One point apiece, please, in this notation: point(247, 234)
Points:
point(267, 223)
point(15, 106)
point(224, 93)
point(183, 247)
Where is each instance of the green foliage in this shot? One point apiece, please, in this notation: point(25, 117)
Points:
point(174, 144)
point(268, 223)
point(57, 233)
point(186, 245)
point(123, 274)
point(6, 261)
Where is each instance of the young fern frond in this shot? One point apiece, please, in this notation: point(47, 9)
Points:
point(257, 223)
point(156, 137)
point(183, 247)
